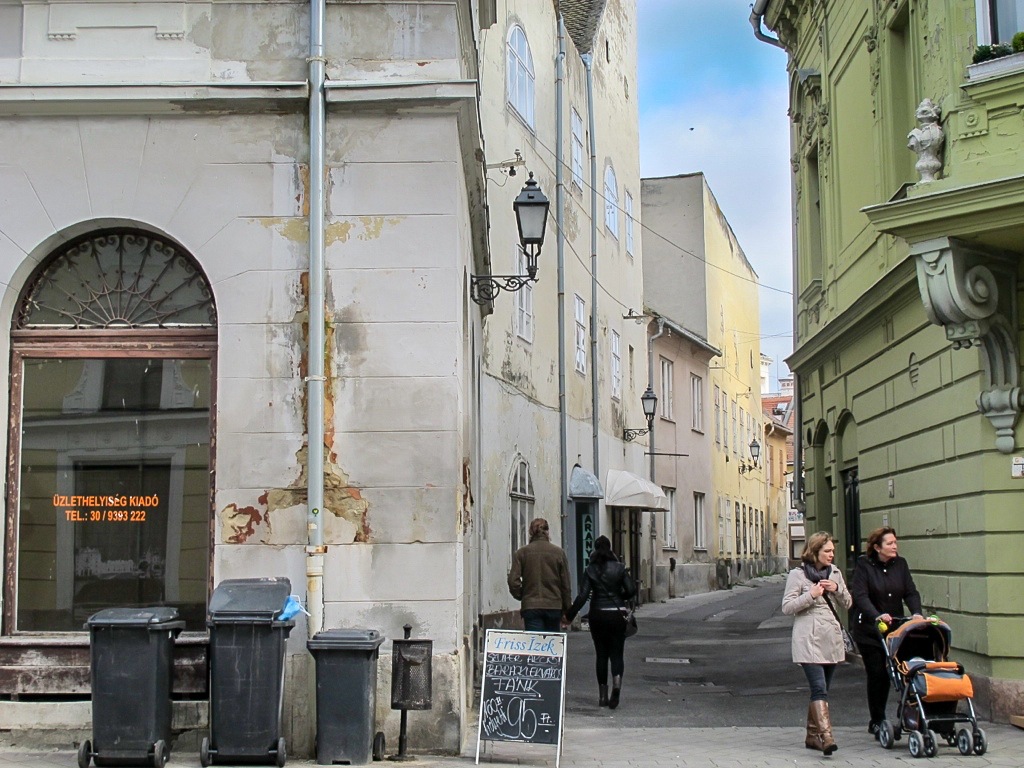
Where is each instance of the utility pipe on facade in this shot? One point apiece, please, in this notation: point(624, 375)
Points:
point(563, 439)
point(756, 15)
point(650, 384)
point(588, 63)
point(315, 381)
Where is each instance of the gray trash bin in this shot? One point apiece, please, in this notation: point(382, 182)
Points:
point(346, 695)
point(131, 654)
point(247, 647)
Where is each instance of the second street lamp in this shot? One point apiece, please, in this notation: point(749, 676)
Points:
point(649, 401)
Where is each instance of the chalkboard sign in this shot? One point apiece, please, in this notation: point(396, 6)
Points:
point(523, 693)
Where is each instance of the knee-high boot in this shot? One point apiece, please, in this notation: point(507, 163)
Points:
point(824, 724)
point(811, 741)
point(613, 702)
point(602, 700)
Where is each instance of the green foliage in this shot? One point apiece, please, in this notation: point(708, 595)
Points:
point(1018, 42)
point(987, 52)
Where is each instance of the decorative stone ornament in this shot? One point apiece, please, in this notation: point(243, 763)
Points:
point(927, 141)
point(971, 292)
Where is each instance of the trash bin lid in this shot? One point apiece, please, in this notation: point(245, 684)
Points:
point(346, 639)
point(245, 600)
point(157, 617)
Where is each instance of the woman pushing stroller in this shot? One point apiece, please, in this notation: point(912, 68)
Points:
point(814, 592)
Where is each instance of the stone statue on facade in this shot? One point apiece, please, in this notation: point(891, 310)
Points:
point(927, 141)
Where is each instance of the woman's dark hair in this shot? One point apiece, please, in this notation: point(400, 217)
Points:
point(602, 551)
point(875, 539)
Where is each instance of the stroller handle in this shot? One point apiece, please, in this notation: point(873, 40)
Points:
point(895, 622)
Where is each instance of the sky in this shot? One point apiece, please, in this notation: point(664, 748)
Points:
point(713, 98)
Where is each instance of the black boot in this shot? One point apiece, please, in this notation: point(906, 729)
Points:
point(603, 700)
point(613, 702)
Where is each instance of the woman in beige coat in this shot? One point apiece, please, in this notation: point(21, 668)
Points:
point(817, 634)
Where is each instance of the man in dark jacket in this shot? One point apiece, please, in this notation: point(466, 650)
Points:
point(539, 579)
point(881, 584)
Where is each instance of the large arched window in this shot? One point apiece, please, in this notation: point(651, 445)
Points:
point(522, 498)
point(110, 478)
point(519, 74)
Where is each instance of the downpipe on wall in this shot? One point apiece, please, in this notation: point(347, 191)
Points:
point(588, 63)
point(563, 416)
point(316, 380)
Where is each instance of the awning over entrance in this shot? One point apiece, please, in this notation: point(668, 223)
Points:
point(628, 490)
point(583, 485)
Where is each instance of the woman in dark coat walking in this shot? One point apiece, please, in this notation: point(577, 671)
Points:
point(880, 585)
point(608, 586)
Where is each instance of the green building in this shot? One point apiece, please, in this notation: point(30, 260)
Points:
point(908, 191)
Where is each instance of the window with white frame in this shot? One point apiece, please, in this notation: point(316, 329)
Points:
point(718, 416)
point(616, 365)
point(669, 533)
point(722, 517)
point(522, 502)
point(735, 442)
point(611, 202)
point(696, 402)
point(581, 335)
point(629, 223)
point(699, 540)
point(520, 75)
point(665, 401)
point(999, 20)
point(725, 421)
point(524, 300)
point(576, 150)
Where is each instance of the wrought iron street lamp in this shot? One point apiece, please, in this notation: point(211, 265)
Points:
point(649, 401)
point(531, 208)
point(755, 455)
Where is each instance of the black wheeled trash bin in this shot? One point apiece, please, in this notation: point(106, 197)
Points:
point(131, 655)
point(346, 695)
point(247, 647)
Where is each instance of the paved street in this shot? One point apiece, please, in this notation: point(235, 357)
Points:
point(708, 682)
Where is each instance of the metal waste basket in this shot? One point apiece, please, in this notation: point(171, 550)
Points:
point(346, 695)
point(247, 649)
point(131, 655)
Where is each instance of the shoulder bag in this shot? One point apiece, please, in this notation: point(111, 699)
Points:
point(628, 613)
point(847, 640)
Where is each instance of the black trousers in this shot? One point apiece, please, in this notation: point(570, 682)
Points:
point(878, 682)
point(608, 631)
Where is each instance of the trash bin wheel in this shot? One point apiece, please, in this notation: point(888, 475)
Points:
point(282, 754)
point(204, 752)
point(378, 746)
point(84, 754)
point(161, 754)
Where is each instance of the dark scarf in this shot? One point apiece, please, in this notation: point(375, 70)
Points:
point(816, 575)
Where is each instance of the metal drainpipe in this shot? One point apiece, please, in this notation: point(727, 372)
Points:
point(756, 15)
point(563, 439)
point(650, 383)
point(316, 380)
point(588, 62)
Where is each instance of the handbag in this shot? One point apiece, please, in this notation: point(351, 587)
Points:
point(847, 640)
point(631, 627)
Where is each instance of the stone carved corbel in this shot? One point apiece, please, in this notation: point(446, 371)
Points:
point(971, 292)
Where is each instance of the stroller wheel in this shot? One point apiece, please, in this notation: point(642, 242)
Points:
point(980, 742)
point(915, 742)
point(964, 741)
point(885, 735)
point(931, 743)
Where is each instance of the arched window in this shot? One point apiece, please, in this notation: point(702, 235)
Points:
point(519, 74)
point(611, 202)
point(522, 498)
point(109, 496)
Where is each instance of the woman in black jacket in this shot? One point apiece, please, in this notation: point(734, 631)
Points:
point(608, 586)
point(881, 584)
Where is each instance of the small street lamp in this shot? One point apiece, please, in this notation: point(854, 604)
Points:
point(649, 401)
point(755, 455)
point(531, 209)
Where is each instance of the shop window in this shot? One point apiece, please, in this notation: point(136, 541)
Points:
point(109, 486)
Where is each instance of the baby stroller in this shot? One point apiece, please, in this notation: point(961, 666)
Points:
point(929, 689)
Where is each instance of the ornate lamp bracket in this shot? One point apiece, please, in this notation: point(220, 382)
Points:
point(971, 292)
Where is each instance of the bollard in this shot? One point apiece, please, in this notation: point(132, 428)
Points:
point(411, 686)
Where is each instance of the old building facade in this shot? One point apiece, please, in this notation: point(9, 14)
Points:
point(907, 352)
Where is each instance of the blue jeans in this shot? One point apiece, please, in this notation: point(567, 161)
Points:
point(542, 619)
point(819, 677)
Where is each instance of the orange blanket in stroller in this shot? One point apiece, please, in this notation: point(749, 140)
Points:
point(937, 680)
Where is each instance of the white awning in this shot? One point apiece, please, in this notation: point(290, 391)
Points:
point(583, 485)
point(624, 489)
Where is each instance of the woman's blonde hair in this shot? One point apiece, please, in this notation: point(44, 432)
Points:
point(813, 546)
